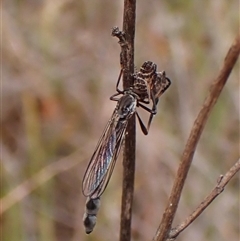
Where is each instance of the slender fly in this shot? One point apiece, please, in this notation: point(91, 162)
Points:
point(148, 86)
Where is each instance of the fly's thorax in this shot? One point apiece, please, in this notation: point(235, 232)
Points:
point(126, 105)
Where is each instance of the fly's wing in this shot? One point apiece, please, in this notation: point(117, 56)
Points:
point(102, 163)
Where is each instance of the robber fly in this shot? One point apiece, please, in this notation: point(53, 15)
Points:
point(103, 160)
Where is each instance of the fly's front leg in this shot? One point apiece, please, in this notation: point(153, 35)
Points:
point(154, 109)
point(119, 78)
point(142, 125)
point(113, 97)
point(150, 121)
point(151, 111)
point(155, 101)
point(119, 92)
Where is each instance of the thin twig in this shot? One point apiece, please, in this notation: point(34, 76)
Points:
point(126, 41)
point(222, 182)
point(215, 90)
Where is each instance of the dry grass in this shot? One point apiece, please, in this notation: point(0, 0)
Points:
point(60, 66)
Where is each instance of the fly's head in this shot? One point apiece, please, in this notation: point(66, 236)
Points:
point(126, 106)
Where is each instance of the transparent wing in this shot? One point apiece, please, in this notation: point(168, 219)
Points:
point(103, 160)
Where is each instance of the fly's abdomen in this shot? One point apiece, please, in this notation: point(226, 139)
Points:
point(90, 215)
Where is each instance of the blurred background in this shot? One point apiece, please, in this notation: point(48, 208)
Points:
point(59, 68)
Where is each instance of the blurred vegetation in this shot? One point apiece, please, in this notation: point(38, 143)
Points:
point(60, 65)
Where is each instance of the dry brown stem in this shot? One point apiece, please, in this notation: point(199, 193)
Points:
point(186, 160)
point(221, 183)
point(127, 62)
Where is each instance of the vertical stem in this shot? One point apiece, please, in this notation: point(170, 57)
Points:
point(127, 61)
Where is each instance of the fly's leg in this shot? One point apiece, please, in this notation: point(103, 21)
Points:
point(152, 113)
point(143, 127)
point(154, 109)
point(119, 92)
point(117, 89)
point(113, 97)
